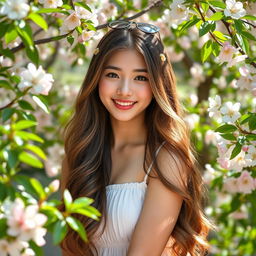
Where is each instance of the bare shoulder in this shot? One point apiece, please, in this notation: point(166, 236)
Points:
point(172, 167)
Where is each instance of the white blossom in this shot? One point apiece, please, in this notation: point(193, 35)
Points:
point(51, 3)
point(15, 9)
point(230, 112)
point(86, 35)
point(192, 120)
point(179, 12)
point(39, 81)
point(11, 248)
point(251, 155)
point(234, 9)
point(214, 106)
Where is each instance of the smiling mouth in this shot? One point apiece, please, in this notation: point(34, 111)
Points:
point(124, 103)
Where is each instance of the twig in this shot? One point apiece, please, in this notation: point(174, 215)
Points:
point(202, 17)
point(231, 35)
point(50, 39)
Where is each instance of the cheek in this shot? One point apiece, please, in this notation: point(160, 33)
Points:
point(104, 88)
point(146, 93)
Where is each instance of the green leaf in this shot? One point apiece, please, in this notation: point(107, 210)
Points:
point(25, 36)
point(7, 113)
point(5, 84)
point(11, 34)
point(77, 226)
point(31, 160)
point(206, 50)
point(3, 227)
point(189, 24)
point(205, 28)
point(51, 210)
point(28, 136)
point(39, 20)
point(25, 182)
point(59, 231)
point(218, 4)
point(226, 128)
point(220, 35)
point(84, 5)
point(236, 150)
point(25, 105)
point(4, 28)
point(87, 212)
point(238, 25)
point(51, 10)
point(216, 16)
point(252, 123)
point(67, 199)
point(228, 136)
point(249, 17)
point(23, 124)
point(35, 149)
point(33, 55)
point(38, 188)
point(90, 26)
point(3, 195)
point(13, 156)
point(251, 137)
point(215, 49)
point(82, 202)
point(245, 118)
point(244, 43)
point(248, 35)
point(41, 103)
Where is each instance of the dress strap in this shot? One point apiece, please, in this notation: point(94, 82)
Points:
point(150, 167)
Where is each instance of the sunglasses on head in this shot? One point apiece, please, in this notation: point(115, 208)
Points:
point(145, 27)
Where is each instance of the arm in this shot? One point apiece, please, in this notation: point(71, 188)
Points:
point(160, 210)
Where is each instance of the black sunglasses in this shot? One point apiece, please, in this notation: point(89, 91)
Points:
point(145, 27)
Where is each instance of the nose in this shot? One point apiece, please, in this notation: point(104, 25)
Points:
point(124, 88)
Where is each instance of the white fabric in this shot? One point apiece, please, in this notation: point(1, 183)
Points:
point(124, 204)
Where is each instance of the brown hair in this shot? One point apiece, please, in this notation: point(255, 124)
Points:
point(88, 138)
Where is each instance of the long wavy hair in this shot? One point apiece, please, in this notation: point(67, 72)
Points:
point(88, 139)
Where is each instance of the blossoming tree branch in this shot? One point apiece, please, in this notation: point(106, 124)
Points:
point(213, 42)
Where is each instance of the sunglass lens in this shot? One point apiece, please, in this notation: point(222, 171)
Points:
point(118, 24)
point(148, 28)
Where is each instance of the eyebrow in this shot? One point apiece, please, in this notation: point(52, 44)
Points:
point(135, 70)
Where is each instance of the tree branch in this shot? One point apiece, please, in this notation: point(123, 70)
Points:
point(231, 35)
point(50, 39)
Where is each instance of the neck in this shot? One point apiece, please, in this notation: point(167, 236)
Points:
point(128, 133)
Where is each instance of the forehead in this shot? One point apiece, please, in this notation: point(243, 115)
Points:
point(127, 57)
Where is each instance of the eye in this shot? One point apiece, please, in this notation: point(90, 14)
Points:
point(111, 74)
point(143, 78)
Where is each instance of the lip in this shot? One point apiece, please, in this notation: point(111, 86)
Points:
point(125, 101)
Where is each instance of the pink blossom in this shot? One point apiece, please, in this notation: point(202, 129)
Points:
point(26, 223)
point(245, 183)
point(72, 21)
point(230, 185)
point(227, 52)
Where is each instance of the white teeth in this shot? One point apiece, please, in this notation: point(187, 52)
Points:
point(124, 103)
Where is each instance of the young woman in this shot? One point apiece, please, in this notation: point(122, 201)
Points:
point(128, 147)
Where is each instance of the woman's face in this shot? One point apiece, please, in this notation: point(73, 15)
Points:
point(124, 87)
